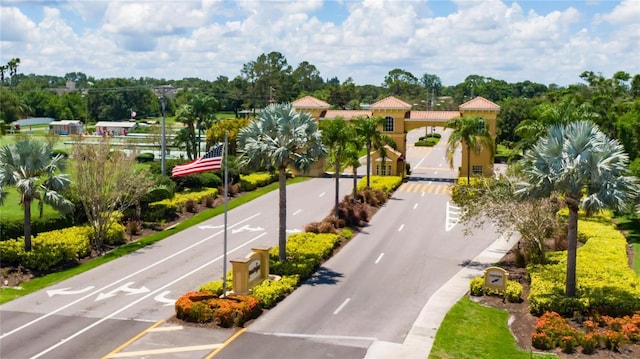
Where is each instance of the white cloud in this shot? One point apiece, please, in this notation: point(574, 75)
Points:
point(14, 25)
point(208, 38)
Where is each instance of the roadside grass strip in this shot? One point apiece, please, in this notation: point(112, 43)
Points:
point(473, 331)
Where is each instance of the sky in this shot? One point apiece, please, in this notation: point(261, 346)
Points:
point(543, 41)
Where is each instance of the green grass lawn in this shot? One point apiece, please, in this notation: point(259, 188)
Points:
point(11, 208)
point(8, 294)
point(631, 229)
point(473, 331)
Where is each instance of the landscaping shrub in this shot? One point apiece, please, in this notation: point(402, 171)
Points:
point(513, 293)
point(49, 249)
point(605, 283)
point(145, 157)
point(551, 330)
point(14, 227)
point(387, 184)
point(305, 252)
point(270, 292)
point(254, 180)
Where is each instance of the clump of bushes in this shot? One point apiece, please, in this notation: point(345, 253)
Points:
point(513, 293)
point(254, 180)
point(48, 249)
point(606, 284)
point(203, 307)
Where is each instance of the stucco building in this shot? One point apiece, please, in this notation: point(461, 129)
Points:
point(400, 119)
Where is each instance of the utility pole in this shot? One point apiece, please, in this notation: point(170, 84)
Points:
point(163, 103)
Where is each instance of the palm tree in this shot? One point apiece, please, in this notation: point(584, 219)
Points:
point(336, 135)
point(579, 162)
point(369, 130)
point(474, 133)
point(278, 138)
point(28, 165)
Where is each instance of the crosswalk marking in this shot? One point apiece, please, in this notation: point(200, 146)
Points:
point(430, 188)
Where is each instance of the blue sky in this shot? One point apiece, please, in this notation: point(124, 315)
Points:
point(537, 40)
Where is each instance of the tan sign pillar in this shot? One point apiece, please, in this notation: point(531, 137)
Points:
point(250, 270)
point(495, 278)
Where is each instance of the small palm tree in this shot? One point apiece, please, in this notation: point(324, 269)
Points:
point(278, 138)
point(473, 133)
point(336, 136)
point(28, 165)
point(369, 130)
point(579, 162)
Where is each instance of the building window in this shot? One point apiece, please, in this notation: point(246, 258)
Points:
point(377, 170)
point(476, 170)
point(388, 125)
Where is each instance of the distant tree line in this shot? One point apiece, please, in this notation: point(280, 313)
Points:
point(612, 103)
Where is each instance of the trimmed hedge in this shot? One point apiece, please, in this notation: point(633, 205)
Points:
point(305, 252)
point(605, 283)
point(168, 208)
point(513, 293)
point(49, 249)
point(387, 184)
point(14, 228)
point(270, 292)
point(254, 180)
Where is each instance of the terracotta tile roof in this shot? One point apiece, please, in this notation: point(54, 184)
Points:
point(391, 103)
point(479, 103)
point(432, 115)
point(310, 102)
point(346, 114)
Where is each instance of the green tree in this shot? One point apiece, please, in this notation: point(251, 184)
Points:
point(110, 182)
point(368, 129)
point(474, 133)
point(584, 166)
point(336, 136)
point(37, 175)
point(278, 138)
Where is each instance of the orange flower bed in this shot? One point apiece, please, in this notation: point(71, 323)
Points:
point(204, 307)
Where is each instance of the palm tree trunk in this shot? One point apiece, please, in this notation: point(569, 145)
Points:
point(282, 214)
point(355, 184)
point(468, 164)
point(337, 174)
point(572, 245)
point(27, 225)
point(368, 164)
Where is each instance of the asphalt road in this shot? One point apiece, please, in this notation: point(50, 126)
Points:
point(89, 315)
point(375, 287)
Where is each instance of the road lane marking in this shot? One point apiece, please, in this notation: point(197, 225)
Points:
point(66, 291)
point(296, 212)
point(165, 329)
point(162, 298)
point(401, 226)
point(226, 342)
point(379, 258)
point(165, 351)
point(322, 194)
point(142, 270)
point(416, 205)
point(342, 306)
point(135, 337)
point(113, 314)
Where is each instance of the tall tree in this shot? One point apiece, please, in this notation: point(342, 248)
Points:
point(336, 136)
point(473, 133)
point(369, 130)
point(110, 182)
point(588, 169)
point(278, 138)
point(37, 175)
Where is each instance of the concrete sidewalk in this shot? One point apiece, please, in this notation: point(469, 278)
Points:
point(418, 343)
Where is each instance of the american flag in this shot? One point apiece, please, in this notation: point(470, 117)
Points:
point(210, 161)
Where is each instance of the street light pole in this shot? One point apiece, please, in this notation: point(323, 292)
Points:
point(163, 102)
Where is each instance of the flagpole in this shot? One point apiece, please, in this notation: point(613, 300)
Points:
point(226, 184)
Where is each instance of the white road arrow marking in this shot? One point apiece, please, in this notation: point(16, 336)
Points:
point(207, 226)
point(122, 288)
point(66, 291)
point(163, 299)
point(247, 228)
point(295, 230)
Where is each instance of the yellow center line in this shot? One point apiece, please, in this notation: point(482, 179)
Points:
point(166, 350)
point(128, 342)
point(227, 342)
